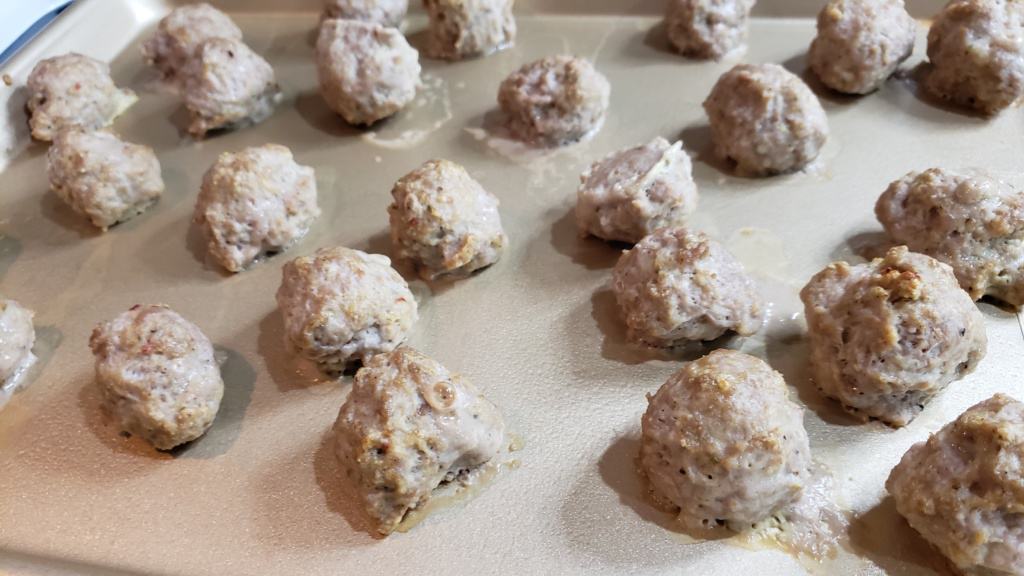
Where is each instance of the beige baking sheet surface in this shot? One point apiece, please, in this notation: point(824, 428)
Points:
point(539, 332)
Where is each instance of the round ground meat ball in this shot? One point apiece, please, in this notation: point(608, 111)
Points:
point(383, 12)
point(341, 306)
point(17, 336)
point(765, 119)
point(677, 285)
point(468, 28)
point(103, 177)
point(976, 48)
point(157, 375)
point(73, 91)
point(181, 32)
point(555, 100)
point(367, 72)
point(860, 43)
point(963, 488)
point(255, 202)
point(970, 221)
point(888, 335)
point(444, 221)
point(409, 426)
point(707, 28)
point(633, 192)
point(228, 85)
point(723, 442)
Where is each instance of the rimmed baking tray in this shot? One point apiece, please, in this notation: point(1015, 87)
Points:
point(539, 332)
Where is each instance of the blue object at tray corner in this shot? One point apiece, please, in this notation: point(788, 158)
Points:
point(32, 32)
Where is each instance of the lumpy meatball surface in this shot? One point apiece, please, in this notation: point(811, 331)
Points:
point(227, 85)
point(678, 285)
point(976, 48)
point(342, 306)
point(969, 220)
point(367, 72)
point(158, 375)
point(383, 12)
point(555, 100)
point(888, 335)
point(860, 43)
point(723, 442)
point(103, 177)
point(409, 426)
point(468, 28)
point(962, 489)
point(255, 202)
point(445, 221)
point(73, 91)
point(633, 192)
point(17, 336)
point(707, 29)
point(181, 31)
point(765, 119)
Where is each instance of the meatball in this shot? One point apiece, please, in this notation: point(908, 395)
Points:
point(468, 28)
point(17, 336)
point(555, 100)
point(409, 427)
point(765, 119)
point(970, 221)
point(976, 48)
point(228, 85)
point(181, 32)
point(678, 285)
point(255, 202)
point(633, 192)
point(962, 489)
point(367, 72)
point(383, 12)
point(723, 442)
point(444, 221)
point(707, 29)
point(157, 375)
point(888, 335)
point(860, 43)
point(73, 91)
point(341, 306)
point(103, 177)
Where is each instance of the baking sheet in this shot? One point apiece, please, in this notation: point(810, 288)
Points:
point(538, 332)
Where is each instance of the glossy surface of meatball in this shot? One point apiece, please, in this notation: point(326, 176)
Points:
point(468, 28)
point(888, 335)
point(707, 29)
point(182, 31)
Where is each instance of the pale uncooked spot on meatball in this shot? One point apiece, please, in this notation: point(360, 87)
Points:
point(17, 336)
point(888, 335)
point(383, 12)
point(723, 442)
point(707, 29)
point(962, 489)
point(73, 91)
point(408, 427)
point(765, 119)
point(969, 220)
point(860, 43)
point(633, 192)
point(444, 221)
point(158, 375)
point(367, 72)
point(227, 85)
point(342, 306)
point(255, 202)
point(555, 100)
point(976, 48)
point(182, 31)
point(103, 177)
point(468, 28)
point(677, 285)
